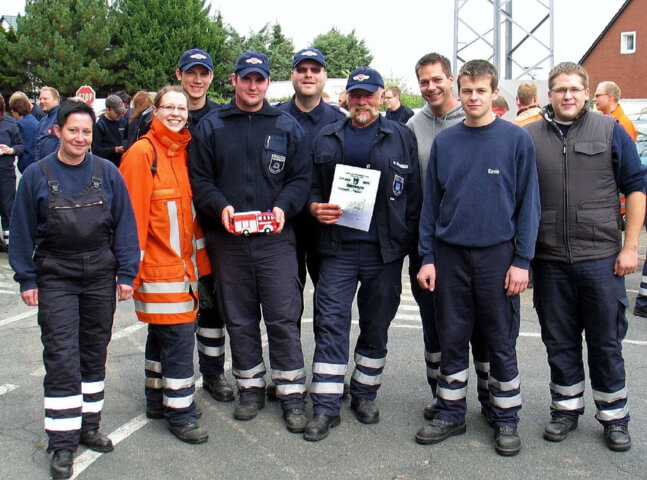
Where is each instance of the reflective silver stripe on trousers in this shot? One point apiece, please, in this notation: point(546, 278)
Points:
point(210, 351)
point(508, 386)
point(92, 387)
point(334, 388)
point(153, 366)
point(92, 407)
point(63, 403)
point(329, 368)
point(643, 279)
point(290, 389)
point(201, 242)
point(482, 366)
point(452, 395)
point(369, 362)
point(642, 290)
point(367, 379)
point(177, 402)
point(568, 391)
point(141, 255)
point(154, 383)
point(289, 375)
point(611, 415)
point(171, 308)
point(610, 397)
point(433, 357)
point(432, 372)
point(260, 368)
point(250, 383)
point(211, 332)
point(174, 227)
point(455, 377)
point(163, 287)
point(177, 383)
point(62, 424)
point(570, 404)
point(482, 383)
point(506, 402)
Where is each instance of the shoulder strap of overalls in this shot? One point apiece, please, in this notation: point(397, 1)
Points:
point(52, 183)
point(97, 171)
point(154, 166)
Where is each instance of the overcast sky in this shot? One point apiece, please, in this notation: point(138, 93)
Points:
point(398, 37)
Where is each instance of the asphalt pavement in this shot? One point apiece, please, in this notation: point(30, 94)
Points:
point(263, 449)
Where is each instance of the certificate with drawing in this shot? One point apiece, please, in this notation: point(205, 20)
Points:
point(354, 189)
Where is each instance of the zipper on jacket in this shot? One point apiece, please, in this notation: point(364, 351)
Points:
point(78, 205)
point(567, 242)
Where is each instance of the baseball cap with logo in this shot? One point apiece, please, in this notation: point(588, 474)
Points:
point(194, 57)
point(250, 62)
point(309, 54)
point(116, 103)
point(364, 78)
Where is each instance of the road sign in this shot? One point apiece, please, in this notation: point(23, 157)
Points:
point(86, 92)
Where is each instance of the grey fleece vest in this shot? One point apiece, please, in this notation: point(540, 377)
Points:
point(580, 218)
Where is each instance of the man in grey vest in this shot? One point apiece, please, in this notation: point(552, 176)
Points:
point(583, 159)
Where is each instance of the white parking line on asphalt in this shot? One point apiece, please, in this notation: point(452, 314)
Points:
point(6, 388)
point(127, 331)
point(15, 318)
point(9, 292)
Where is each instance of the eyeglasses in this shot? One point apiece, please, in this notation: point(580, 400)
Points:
point(601, 94)
point(171, 108)
point(314, 70)
point(561, 91)
point(388, 98)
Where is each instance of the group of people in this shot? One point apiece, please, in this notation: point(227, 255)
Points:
point(472, 199)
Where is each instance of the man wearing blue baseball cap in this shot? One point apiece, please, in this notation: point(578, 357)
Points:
point(350, 256)
point(308, 79)
point(249, 156)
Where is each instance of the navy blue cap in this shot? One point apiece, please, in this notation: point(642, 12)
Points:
point(194, 57)
point(364, 78)
point(309, 54)
point(250, 62)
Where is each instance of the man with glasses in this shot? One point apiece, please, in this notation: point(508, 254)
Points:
point(396, 111)
point(583, 159)
point(308, 108)
point(607, 96)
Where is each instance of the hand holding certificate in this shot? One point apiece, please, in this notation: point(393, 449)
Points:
point(354, 190)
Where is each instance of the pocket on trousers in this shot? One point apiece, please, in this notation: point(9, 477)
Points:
point(515, 317)
point(622, 322)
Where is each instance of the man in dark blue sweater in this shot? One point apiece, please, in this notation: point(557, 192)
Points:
point(108, 136)
point(46, 141)
point(396, 111)
point(477, 236)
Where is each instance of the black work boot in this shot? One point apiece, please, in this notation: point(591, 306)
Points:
point(61, 466)
point(189, 432)
point(617, 437)
point(248, 409)
point(507, 441)
point(365, 410)
point(218, 387)
point(295, 419)
point(438, 430)
point(559, 427)
point(318, 428)
point(95, 440)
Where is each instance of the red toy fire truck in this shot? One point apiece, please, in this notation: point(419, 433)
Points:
point(247, 223)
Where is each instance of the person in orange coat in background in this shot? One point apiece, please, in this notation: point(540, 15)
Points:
point(172, 256)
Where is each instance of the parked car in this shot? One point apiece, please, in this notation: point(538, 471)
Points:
point(641, 144)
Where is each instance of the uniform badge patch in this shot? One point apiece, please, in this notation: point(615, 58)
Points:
point(398, 185)
point(277, 162)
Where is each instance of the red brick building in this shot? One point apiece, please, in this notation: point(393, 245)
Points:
point(619, 54)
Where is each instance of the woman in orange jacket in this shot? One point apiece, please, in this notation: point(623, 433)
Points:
point(172, 256)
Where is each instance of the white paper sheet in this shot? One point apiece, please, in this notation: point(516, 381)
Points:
point(354, 189)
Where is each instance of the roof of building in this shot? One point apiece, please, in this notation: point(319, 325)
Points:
point(604, 32)
point(10, 21)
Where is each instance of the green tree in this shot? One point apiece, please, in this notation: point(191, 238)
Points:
point(153, 34)
point(344, 53)
point(66, 43)
point(278, 48)
point(12, 74)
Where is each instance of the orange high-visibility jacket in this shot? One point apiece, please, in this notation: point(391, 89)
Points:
point(171, 241)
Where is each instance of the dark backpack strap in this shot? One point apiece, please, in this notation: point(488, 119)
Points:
point(154, 165)
point(52, 184)
point(97, 173)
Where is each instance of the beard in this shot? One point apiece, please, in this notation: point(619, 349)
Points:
point(364, 115)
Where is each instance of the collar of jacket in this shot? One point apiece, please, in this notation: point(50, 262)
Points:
point(384, 126)
point(173, 141)
point(230, 109)
point(549, 114)
point(316, 113)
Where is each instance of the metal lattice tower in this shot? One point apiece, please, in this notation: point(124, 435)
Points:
point(525, 42)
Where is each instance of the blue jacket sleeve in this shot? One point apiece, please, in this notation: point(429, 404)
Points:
point(430, 205)
point(628, 169)
point(17, 142)
point(528, 206)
